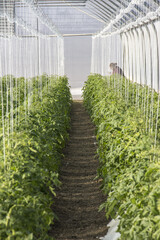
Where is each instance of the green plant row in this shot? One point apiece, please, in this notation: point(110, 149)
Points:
point(129, 162)
point(29, 172)
point(16, 91)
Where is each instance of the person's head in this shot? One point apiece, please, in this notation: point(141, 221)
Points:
point(113, 65)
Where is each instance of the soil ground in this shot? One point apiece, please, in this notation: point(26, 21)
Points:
point(79, 197)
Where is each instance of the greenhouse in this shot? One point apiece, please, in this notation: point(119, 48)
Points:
point(80, 119)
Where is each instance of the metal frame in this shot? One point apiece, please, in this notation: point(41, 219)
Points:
point(102, 5)
point(132, 43)
point(92, 10)
point(144, 53)
point(151, 55)
point(91, 7)
point(138, 39)
point(156, 37)
point(127, 52)
point(131, 32)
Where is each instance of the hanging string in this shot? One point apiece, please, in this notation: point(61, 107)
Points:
point(16, 81)
point(157, 117)
point(147, 109)
point(121, 78)
point(2, 108)
point(11, 85)
point(158, 103)
point(128, 61)
point(142, 63)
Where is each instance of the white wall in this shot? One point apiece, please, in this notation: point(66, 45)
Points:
point(77, 52)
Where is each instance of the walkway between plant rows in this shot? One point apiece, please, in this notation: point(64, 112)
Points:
point(79, 198)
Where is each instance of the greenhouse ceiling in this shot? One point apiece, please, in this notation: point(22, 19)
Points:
point(85, 16)
point(94, 15)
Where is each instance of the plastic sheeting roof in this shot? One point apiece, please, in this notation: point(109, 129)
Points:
point(87, 16)
point(93, 15)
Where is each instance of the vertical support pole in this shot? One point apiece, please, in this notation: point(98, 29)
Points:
point(151, 76)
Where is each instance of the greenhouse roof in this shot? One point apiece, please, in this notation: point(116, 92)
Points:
point(81, 16)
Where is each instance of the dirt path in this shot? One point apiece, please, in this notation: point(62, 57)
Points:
point(79, 198)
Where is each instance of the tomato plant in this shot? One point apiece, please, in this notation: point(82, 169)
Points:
point(125, 116)
point(33, 157)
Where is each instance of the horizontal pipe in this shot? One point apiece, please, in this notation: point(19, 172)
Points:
point(64, 35)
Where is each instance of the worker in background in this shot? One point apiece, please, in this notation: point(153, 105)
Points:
point(115, 69)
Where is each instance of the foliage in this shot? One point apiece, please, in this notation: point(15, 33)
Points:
point(29, 174)
point(17, 91)
point(129, 164)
